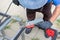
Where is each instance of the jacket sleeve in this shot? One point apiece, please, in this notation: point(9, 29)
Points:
point(56, 2)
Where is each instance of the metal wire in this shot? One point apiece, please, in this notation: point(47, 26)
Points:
point(6, 11)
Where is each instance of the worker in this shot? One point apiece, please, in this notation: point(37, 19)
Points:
point(44, 6)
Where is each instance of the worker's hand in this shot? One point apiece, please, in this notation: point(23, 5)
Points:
point(44, 24)
point(49, 32)
point(16, 2)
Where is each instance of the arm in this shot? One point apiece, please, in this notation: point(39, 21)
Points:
point(48, 24)
point(56, 13)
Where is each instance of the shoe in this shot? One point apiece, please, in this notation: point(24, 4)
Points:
point(28, 30)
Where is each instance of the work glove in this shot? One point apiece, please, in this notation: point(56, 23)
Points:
point(44, 25)
point(16, 2)
point(49, 32)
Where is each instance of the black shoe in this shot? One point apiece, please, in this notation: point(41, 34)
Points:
point(28, 30)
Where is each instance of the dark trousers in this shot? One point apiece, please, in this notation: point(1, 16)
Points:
point(46, 11)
